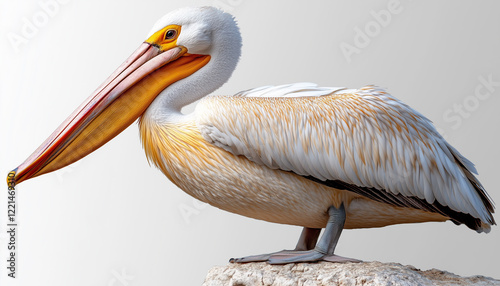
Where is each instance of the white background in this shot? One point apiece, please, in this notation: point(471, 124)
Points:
point(111, 214)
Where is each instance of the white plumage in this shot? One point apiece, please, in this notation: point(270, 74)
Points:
point(301, 89)
point(364, 137)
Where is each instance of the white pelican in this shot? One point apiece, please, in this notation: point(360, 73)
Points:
point(316, 157)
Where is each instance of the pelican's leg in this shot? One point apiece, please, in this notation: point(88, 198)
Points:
point(307, 241)
point(308, 238)
point(326, 246)
point(304, 251)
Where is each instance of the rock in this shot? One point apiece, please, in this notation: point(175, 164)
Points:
point(325, 273)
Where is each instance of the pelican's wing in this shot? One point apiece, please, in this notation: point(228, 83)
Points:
point(364, 140)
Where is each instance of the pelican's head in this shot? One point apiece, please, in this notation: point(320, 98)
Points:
point(199, 29)
point(189, 53)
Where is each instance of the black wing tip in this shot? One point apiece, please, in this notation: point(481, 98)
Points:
point(412, 202)
point(486, 199)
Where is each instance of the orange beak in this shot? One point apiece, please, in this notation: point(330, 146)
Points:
point(116, 104)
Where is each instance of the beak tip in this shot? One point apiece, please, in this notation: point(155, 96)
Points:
point(11, 179)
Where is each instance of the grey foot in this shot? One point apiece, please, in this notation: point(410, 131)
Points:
point(307, 241)
point(293, 256)
point(297, 256)
point(260, 257)
point(340, 259)
point(308, 256)
point(324, 250)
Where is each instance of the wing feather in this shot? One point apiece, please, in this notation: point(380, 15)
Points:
point(364, 140)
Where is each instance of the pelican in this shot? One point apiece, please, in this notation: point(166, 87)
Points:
point(297, 154)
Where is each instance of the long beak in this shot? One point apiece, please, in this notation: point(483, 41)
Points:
point(116, 104)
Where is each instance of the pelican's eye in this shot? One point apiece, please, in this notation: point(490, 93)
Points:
point(170, 34)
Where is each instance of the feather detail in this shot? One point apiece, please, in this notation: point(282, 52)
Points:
point(367, 138)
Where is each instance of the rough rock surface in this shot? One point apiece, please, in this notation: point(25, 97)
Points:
point(324, 273)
